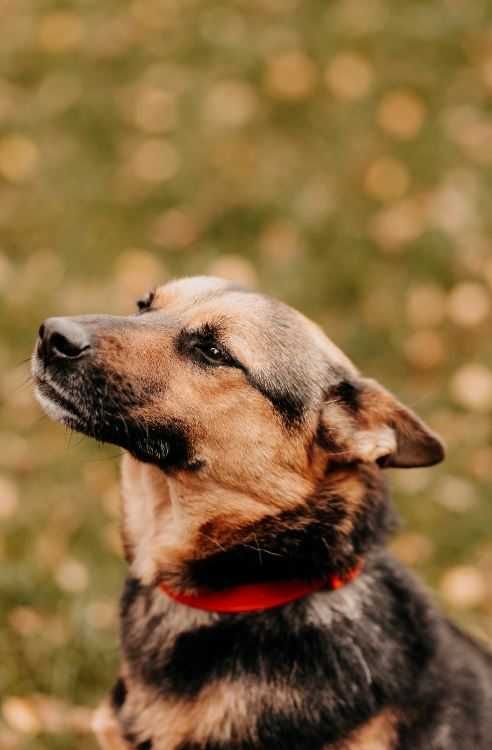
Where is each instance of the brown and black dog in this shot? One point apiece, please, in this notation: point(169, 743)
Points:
point(254, 457)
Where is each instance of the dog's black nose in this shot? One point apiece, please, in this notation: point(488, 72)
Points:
point(62, 338)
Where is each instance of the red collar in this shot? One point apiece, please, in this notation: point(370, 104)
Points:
point(252, 597)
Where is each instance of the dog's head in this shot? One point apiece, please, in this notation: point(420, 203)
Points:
point(238, 400)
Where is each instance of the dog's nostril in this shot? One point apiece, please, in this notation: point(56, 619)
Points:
point(62, 338)
point(60, 344)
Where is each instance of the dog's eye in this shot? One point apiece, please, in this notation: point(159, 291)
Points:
point(212, 354)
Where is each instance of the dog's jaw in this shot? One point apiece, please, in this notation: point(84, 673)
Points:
point(54, 400)
point(53, 410)
point(75, 405)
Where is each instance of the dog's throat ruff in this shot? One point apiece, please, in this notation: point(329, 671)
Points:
point(254, 597)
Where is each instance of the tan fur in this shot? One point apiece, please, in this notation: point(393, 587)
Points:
point(107, 729)
point(378, 734)
point(221, 712)
point(163, 520)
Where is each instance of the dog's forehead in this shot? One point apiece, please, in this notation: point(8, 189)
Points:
point(181, 293)
point(256, 325)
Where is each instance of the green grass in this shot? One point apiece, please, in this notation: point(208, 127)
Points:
point(287, 191)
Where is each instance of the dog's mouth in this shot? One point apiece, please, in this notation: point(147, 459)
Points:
point(81, 396)
point(57, 403)
point(87, 401)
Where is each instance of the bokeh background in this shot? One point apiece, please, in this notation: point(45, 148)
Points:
point(337, 154)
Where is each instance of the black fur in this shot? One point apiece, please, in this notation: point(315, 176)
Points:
point(326, 440)
point(397, 652)
point(118, 693)
point(102, 404)
point(380, 643)
point(301, 543)
point(288, 401)
point(348, 393)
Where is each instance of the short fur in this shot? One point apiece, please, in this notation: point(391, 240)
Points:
point(255, 452)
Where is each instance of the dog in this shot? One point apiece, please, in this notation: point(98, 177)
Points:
point(261, 610)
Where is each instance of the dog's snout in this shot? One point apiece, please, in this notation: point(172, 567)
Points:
point(62, 338)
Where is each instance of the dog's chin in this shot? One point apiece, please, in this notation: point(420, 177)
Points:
point(165, 447)
point(59, 407)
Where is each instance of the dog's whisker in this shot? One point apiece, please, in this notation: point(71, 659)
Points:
point(24, 361)
point(99, 459)
point(261, 550)
point(28, 380)
point(260, 558)
point(212, 540)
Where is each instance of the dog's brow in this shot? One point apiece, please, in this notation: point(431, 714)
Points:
point(208, 330)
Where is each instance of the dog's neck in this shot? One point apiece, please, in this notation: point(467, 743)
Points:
point(191, 542)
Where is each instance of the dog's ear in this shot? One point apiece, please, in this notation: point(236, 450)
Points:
point(362, 421)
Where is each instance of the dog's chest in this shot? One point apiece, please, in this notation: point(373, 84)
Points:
point(193, 680)
point(221, 716)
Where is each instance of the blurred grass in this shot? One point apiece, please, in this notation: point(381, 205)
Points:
point(335, 154)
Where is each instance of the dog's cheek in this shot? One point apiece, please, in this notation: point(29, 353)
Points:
point(168, 442)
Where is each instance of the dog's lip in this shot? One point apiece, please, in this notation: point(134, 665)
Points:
point(58, 397)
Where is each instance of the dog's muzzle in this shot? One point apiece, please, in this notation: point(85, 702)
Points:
point(75, 385)
point(61, 346)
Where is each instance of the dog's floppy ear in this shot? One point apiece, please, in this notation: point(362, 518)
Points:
point(362, 421)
